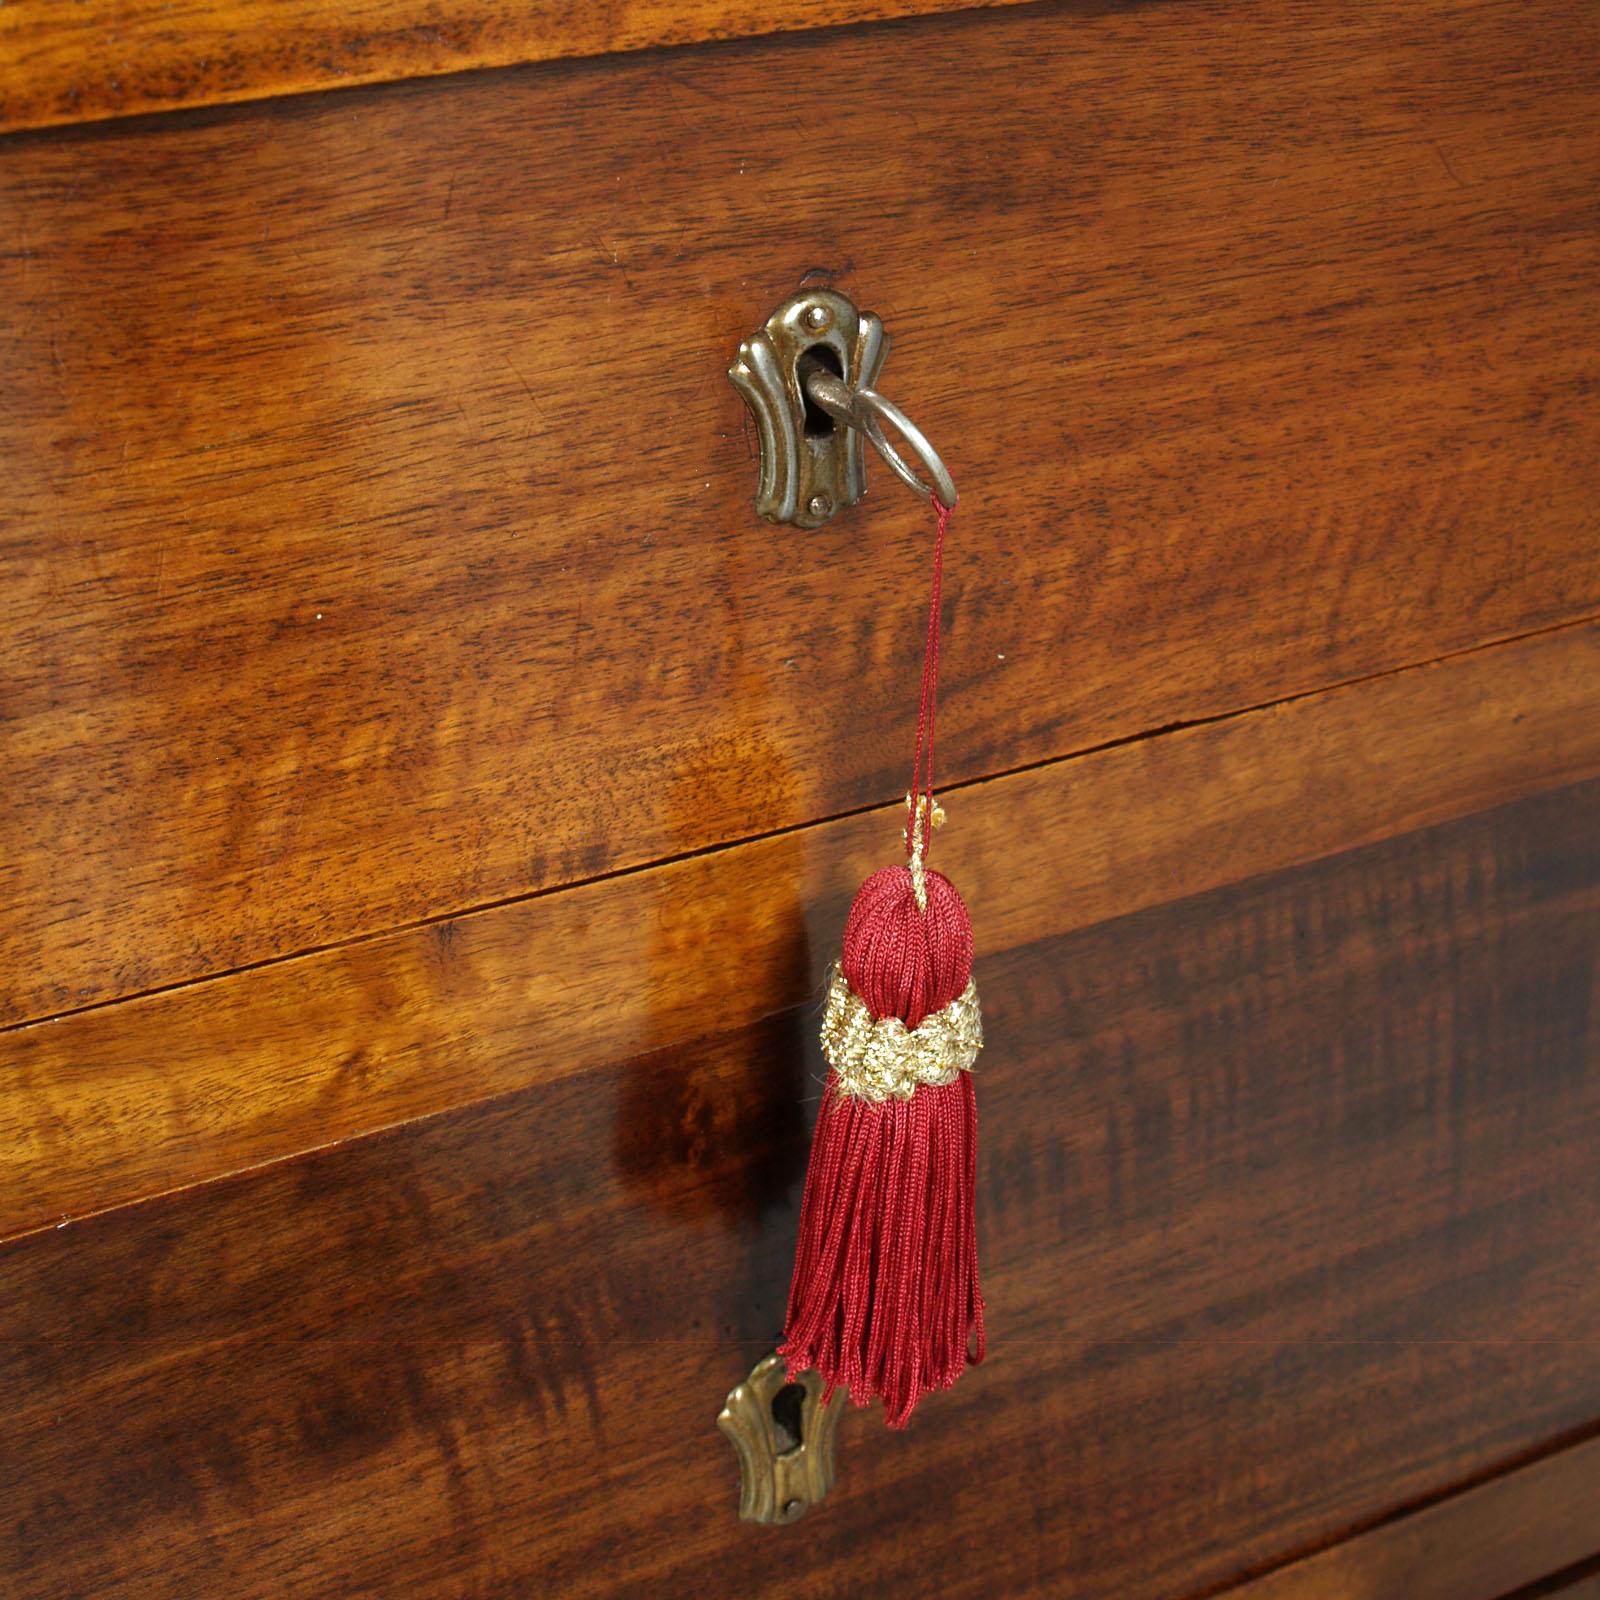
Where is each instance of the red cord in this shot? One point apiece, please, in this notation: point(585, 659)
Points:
point(922, 782)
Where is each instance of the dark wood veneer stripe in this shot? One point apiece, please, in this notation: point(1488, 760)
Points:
point(1478, 1545)
point(117, 58)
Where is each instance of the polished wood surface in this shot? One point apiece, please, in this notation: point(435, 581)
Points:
point(1289, 1219)
point(109, 58)
point(379, 538)
point(430, 796)
point(121, 1102)
point(1532, 1521)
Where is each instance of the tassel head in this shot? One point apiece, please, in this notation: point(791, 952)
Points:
point(903, 960)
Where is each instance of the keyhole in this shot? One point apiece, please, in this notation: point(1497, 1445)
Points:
point(787, 1407)
point(818, 423)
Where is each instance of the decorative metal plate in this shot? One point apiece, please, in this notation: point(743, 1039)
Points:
point(784, 1436)
point(811, 463)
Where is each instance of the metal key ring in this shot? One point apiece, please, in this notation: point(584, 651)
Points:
point(867, 410)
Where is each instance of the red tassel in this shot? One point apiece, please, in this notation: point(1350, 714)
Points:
point(885, 1299)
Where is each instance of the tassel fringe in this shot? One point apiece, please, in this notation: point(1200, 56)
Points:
point(885, 1297)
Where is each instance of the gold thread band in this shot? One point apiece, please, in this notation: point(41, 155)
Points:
point(879, 1059)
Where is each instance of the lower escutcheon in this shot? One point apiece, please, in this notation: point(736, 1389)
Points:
point(784, 1435)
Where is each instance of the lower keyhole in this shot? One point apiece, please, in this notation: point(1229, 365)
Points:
point(787, 1408)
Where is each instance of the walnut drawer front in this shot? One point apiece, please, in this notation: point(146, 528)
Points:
point(375, 483)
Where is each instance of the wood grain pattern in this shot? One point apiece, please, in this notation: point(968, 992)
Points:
point(110, 58)
point(1477, 1545)
point(121, 1102)
point(1257, 337)
point(1289, 1218)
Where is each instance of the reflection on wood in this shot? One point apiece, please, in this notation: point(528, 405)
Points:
point(119, 1103)
point(379, 532)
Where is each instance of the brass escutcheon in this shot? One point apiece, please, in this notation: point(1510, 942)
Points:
point(784, 1436)
point(807, 376)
